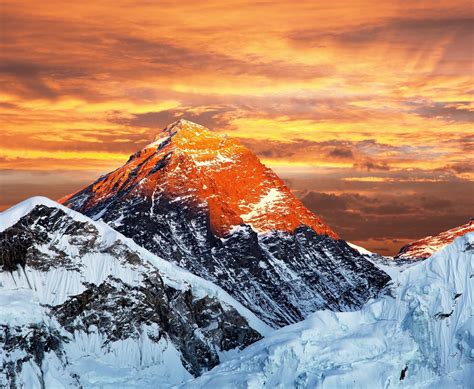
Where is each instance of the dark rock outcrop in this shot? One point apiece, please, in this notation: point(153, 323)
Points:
point(199, 328)
point(21, 345)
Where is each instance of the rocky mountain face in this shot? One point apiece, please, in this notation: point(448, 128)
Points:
point(81, 305)
point(424, 248)
point(190, 166)
point(206, 203)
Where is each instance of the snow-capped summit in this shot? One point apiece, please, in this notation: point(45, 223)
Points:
point(206, 203)
point(210, 170)
point(424, 248)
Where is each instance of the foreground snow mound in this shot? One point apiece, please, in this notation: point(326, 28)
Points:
point(422, 335)
point(83, 306)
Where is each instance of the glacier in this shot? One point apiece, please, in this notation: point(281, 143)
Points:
point(419, 335)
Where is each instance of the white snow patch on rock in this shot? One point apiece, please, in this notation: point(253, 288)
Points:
point(266, 202)
point(360, 249)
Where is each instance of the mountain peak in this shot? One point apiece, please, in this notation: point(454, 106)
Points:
point(206, 170)
point(425, 247)
point(190, 138)
point(183, 124)
point(184, 127)
point(205, 202)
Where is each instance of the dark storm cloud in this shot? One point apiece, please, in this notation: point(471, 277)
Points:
point(29, 75)
point(467, 143)
point(433, 203)
point(20, 185)
point(460, 167)
point(167, 58)
point(392, 212)
point(464, 142)
point(334, 149)
point(327, 202)
point(8, 105)
point(108, 140)
point(389, 209)
point(358, 217)
point(25, 69)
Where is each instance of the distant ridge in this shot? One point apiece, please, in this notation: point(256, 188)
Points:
point(424, 248)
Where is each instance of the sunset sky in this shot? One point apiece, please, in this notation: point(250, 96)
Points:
point(365, 108)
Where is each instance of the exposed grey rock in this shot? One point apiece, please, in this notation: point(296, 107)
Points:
point(199, 328)
point(20, 345)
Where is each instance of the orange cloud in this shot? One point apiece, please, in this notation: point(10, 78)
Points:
point(373, 91)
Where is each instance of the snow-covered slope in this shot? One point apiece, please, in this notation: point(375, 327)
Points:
point(423, 248)
point(421, 335)
point(359, 249)
point(206, 203)
point(80, 304)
